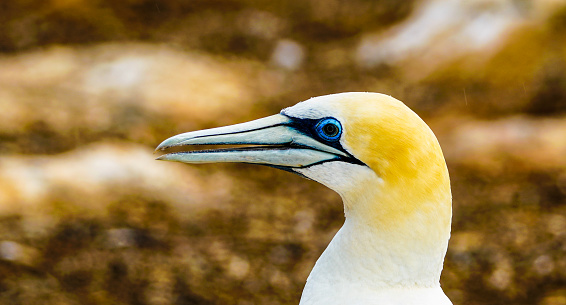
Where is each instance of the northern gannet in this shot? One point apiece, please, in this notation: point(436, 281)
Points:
point(387, 166)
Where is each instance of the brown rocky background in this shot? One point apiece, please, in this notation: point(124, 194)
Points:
point(89, 88)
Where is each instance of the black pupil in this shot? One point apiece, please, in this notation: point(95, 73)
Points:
point(330, 130)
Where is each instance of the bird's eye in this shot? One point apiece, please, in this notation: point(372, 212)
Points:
point(329, 129)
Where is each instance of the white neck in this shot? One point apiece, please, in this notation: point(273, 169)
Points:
point(360, 254)
point(362, 263)
point(388, 249)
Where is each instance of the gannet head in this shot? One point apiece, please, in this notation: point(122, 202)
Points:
point(381, 158)
point(396, 158)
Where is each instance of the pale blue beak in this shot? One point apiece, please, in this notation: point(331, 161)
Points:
point(278, 141)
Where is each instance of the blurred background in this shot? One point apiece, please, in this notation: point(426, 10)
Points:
point(89, 88)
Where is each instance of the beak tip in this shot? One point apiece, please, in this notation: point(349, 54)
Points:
point(163, 145)
point(160, 148)
point(169, 157)
point(162, 158)
point(171, 142)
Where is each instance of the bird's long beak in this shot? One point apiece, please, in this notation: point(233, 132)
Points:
point(278, 141)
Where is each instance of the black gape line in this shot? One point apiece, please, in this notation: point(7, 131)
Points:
point(327, 131)
point(308, 127)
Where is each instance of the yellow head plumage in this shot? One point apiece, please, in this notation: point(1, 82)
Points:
point(410, 171)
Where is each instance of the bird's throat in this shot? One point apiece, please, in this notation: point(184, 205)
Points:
point(372, 258)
